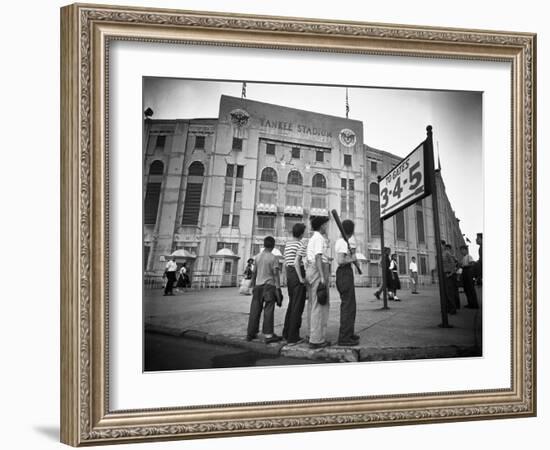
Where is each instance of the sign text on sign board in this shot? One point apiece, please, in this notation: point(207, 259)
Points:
point(406, 183)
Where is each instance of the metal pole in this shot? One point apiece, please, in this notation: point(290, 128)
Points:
point(441, 275)
point(383, 256)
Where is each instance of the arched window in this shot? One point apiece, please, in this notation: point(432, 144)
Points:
point(193, 194)
point(319, 181)
point(269, 175)
point(295, 177)
point(374, 203)
point(196, 168)
point(152, 193)
point(156, 168)
point(318, 191)
point(294, 190)
point(268, 186)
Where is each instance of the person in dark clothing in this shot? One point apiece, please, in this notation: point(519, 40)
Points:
point(295, 250)
point(449, 269)
point(479, 264)
point(265, 294)
point(345, 284)
point(467, 266)
point(394, 284)
point(385, 265)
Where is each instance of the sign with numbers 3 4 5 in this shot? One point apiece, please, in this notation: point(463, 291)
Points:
point(407, 182)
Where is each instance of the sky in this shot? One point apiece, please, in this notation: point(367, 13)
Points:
point(394, 120)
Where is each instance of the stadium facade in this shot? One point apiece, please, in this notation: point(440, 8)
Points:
point(214, 188)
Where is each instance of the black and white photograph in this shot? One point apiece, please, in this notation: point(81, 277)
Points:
point(293, 224)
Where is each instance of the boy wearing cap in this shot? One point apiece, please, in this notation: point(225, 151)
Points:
point(265, 294)
point(317, 273)
point(345, 284)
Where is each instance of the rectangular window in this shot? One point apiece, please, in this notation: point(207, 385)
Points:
point(199, 142)
point(400, 225)
point(296, 152)
point(319, 157)
point(373, 167)
point(227, 267)
point(256, 248)
point(240, 171)
point(290, 222)
point(234, 247)
point(293, 198)
point(402, 264)
point(151, 203)
point(229, 170)
point(266, 223)
point(347, 160)
point(420, 226)
point(351, 185)
point(237, 144)
point(161, 141)
point(270, 149)
point(374, 256)
point(423, 265)
point(374, 218)
point(146, 251)
point(225, 220)
point(343, 205)
point(351, 204)
point(235, 221)
point(344, 182)
point(318, 201)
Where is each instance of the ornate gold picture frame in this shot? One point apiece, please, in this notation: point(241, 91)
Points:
point(86, 34)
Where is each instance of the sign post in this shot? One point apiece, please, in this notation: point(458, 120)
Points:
point(428, 144)
point(383, 257)
point(408, 182)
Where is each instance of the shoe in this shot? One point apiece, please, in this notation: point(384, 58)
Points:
point(319, 345)
point(348, 343)
point(272, 339)
point(250, 338)
point(356, 337)
point(397, 299)
point(415, 292)
point(377, 295)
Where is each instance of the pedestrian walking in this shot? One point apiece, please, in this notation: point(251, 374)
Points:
point(345, 283)
point(170, 275)
point(385, 267)
point(479, 264)
point(183, 278)
point(395, 284)
point(266, 292)
point(317, 277)
point(467, 265)
point(295, 251)
point(413, 271)
point(245, 288)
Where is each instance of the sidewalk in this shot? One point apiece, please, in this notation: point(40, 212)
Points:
point(408, 330)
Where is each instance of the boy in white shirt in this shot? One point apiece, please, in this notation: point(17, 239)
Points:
point(413, 269)
point(345, 283)
point(317, 275)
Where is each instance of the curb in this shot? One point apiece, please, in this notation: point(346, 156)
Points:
point(328, 354)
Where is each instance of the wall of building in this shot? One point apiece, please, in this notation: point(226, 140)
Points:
point(221, 161)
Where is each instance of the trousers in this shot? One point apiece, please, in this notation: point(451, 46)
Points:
point(450, 292)
point(317, 313)
point(296, 303)
point(345, 284)
point(263, 298)
point(469, 288)
point(170, 279)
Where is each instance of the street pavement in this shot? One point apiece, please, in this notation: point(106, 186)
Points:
point(407, 330)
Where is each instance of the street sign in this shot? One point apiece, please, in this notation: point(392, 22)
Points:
point(407, 182)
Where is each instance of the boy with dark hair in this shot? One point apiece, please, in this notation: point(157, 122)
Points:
point(345, 284)
point(318, 277)
point(295, 250)
point(265, 294)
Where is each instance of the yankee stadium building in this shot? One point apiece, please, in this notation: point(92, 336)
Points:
point(214, 188)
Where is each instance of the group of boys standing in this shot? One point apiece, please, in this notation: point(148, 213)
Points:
point(308, 274)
